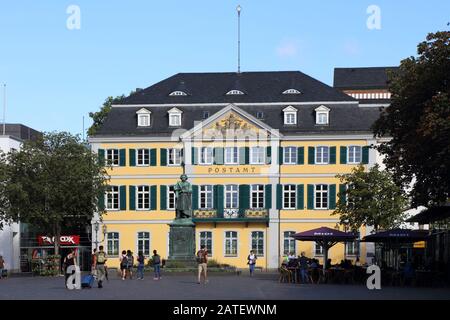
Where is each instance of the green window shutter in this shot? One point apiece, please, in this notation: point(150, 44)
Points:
point(101, 202)
point(163, 157)
point(280, 155)
point(311, 155)
point(244, 197)
point(132, 190)
point(268, 196)
point(279, 196)
point(101, 156)
point(242, 155)
point(310, 196)
point(332, 155)
point(300, 155)
point(247, 155)
point(342, 193)
point(122, 160)
point(132, 156)
point(365, 155)
point(194, 197)
point(194, 155)
point(343, 155)
point(163, 197)
point(218, 199)
point(218, 155)
point(268, 155)
point(153, 157)
point(332, 196)
point(300, 196)
point(123, 197)
point(153, 197)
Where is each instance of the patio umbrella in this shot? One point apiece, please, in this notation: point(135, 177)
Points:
point(326, 237)
point(397, 236)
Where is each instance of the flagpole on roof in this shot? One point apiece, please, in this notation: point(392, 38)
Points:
point(4, 108)
point(238, 9)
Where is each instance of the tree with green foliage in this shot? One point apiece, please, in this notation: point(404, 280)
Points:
point(370, 198)
point(418, 123)
point(52, 182)
point(99, 117)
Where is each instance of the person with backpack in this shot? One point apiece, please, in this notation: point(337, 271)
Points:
point(156, 261)
point(123, 264)
point(100, 265)
point(202, 260)
point(141, 264)
point(130, 264)
point(251, 261)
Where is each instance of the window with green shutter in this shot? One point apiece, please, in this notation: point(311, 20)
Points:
point(342, 193)
point(279, 196)
point(132, 191)
point(163, 152)
point(123, 197)
point(268, 155)
point(300, 155)
point(332, 197)
point(343, 155)
point(122, 160)
point(332, 155)
point(365, 155)
point(153, 197)
point(218, 156)
point(244, 197)
point(280, 155)
point(268, 196)
point(300, 197)
point(311, 155)
point(310, 197)
point(101, 156)
point(194, 197)
point(101, 202)
point(163, 197)
point(153, 157)
point(194, 155)
point(218, 199)
point(132, 157)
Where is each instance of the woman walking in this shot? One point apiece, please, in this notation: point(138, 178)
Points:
point(123, 264)
point(251, 262)
point(141, 264)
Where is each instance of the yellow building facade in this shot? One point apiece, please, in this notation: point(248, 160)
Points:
point(256, 180)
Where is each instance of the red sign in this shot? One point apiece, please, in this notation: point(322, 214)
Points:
point(63, 240)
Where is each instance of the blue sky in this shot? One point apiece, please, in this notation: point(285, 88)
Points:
point(55, 75)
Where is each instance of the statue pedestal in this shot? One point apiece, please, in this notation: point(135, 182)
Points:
point(182, 242)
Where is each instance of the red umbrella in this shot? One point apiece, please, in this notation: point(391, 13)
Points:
point(325, 237)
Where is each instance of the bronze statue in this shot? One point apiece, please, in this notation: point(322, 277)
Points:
point(183, 192)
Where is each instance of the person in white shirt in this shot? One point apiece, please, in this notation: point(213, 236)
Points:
point(252, 262)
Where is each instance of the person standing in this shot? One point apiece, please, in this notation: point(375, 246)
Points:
point(130, 263)
point(156, 260)
point(202, 260)
point(69, 260)
point(2, 266)
point(123, 264)
point(100, 265)
point(93, 257)
point(303, 267)
point(251, 261)
point(141, 264)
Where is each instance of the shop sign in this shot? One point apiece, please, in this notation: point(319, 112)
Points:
point(63, 240)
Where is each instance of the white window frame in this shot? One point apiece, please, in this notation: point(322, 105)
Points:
point(353, 161)
point(316, 191)
point(113, 157)
point(115, 240)
point(316, 154)
point(225, 244)
point(291, 192)
point(356, 245)
point(143, 120)
point(170, 193)
point(206, 191)
point(260, 155)
point(288, 120)
point(210, 252)
point(290, 153)
point(290, 241)
point(173, 117)
point(322, 110)
point(231, 192)
point(204, 156)
point(143, 240)
point(263, 241)
point(144, 195)
point(258, 194)
point(112, 193)
point(174, 154)
point(315, 246)
point(142, 163)
point(234, 155)
point(319, 119)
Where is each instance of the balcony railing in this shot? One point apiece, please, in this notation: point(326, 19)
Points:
point(231, 215)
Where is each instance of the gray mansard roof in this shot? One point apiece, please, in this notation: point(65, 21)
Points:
point(362, 78)
point(263, 93)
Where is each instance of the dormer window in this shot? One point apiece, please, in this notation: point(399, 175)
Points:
point(322, 115)
point(143, 117)
point(174, 117)
point(290, 115)
point(260, 115)
point(178, 93)
point(234, 93)
point(291, 91)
